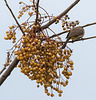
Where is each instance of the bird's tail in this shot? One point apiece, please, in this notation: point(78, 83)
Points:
point(64, 45)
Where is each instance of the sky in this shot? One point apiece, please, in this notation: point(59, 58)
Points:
point(82, 84)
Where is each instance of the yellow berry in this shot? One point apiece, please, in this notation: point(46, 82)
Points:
point(60, 94)
point(48, 94)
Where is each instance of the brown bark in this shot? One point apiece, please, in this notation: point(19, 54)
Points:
point(8, 71)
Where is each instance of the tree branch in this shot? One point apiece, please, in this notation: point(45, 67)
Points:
point(8, 71)
point(34, 2)
point(59, 16)
point(3, 69)
point(14, 17)
point(58, 34)
point(79, 39)
point(84, 39)
point(89, 24)
point(37, 11)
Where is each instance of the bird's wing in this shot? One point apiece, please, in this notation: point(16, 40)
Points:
point(75, 33)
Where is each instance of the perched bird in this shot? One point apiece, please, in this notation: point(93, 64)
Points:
point(74, 34)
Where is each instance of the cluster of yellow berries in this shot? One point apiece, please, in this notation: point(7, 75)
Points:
point(68, 25)
point(11, 34)
point(42, 58)
point(65, 23)
point(45, 62)
point(26, 8)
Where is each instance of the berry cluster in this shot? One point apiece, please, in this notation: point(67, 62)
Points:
point(40, 57)
point(45, 62)
point(68, 24)
point(11, 34)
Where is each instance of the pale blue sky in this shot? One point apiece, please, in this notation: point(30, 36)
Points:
point(82, 85)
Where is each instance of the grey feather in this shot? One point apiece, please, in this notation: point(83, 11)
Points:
point(77, 32)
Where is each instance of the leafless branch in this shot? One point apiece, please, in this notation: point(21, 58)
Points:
point(8, 71)
point(89, 24)
point(85, 38)
point(55, 35)
point(58, 34)
point(79, 39)
point(14, 17)
point(34, 2)
point(37, 5)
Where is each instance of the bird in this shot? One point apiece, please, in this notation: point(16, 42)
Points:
point(75, 33)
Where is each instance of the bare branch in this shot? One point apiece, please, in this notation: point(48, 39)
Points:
point(89, 24)
point(8, 71)
point(34, 2)
point(58, 34)
point(85, 38)
point(79, 39)
point(55, 35)
point(37, 11)
point(61, 15)
point(14, 17)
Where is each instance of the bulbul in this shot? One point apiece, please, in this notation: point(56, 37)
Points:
point(74, 34)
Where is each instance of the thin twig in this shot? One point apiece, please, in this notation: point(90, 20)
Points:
point(8, 71)
point(34, 2)
point(37, 5)
point(85, 38)
point(89, 24)
point(79, 39)
point(58, 34)
point(61, 15)
point(14, 17)
point(45, 12)
point(54, 33)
